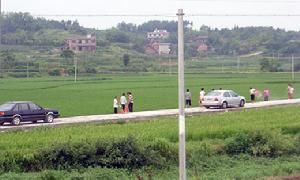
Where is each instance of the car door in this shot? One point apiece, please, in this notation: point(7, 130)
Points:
point(235, 98)
point(24, 112)
point(36, 112)
point(227, 98)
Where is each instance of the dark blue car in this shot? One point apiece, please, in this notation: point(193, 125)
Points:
point(22, 111)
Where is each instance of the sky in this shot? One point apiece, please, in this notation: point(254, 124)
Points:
point(166, 9)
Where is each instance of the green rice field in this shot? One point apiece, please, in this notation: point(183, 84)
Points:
point(94, 95)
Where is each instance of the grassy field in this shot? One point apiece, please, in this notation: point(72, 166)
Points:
point(94, 95)
point(213, 129)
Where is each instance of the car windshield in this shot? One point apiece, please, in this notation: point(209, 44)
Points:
point(214, 93)
point(6, 106)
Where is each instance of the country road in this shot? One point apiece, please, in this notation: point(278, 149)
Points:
point(146, 114)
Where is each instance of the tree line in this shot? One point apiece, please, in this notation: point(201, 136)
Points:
point(24, 29)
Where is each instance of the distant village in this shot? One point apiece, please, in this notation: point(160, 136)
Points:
point(156, 43)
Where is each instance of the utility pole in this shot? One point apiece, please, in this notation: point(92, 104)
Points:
point(75, 68)
point(238, 64)
point(182, 156)
point(170, 70)
point(27, 69)
point(0, 22)
point(293, 73)
point(222, 67)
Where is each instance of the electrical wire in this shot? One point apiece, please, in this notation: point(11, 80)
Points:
point(165, 15)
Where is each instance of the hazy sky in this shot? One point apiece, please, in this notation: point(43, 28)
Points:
point(169, 7)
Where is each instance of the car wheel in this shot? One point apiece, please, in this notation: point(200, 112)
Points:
point(16, 121)
point(34, 122)
point(49, 118)
point(207, 107)
point(1, 124)
point(224, 105)
point(242, 103)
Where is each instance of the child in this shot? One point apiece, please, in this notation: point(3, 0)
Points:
point(115, 104)
point(266, 94)
point(290, 91)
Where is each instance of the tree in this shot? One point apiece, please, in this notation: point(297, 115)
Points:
point(126, 59)
point(67, 54)
point(9, 59)
point(118, 36)
point(268, 64)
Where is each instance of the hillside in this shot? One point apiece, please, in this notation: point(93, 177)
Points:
point(37, 43)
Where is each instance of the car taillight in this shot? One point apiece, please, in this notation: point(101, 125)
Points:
point(216, 99)
point(2, 113)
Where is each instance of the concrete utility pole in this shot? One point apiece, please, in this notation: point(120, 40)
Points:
point(0, 22)
point(75, 68)
point(293, 72)
point(238, 64)
point(170, 70)
point(27, 65)
point(182, 157)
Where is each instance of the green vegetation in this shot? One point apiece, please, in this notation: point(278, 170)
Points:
point(94, 95)
point(38, 42)
point(213, 143)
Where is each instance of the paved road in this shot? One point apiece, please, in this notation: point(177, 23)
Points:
point(146, 114)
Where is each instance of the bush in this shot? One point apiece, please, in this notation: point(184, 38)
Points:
point(160, 152)
point(124, 153)
point(269, 143)
point(54, 72)
point(298, 143)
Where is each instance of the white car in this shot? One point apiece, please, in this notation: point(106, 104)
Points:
point(223, 99)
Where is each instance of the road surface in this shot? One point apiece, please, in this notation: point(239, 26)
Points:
point(145, 115)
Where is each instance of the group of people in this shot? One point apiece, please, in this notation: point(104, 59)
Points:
point(266, 93)
point(253, 94)
point(188, 97)
point(126, 103)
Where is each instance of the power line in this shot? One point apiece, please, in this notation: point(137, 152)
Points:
point(165, 15)
point(246, 15)
point(104, 15)
point(248, 1)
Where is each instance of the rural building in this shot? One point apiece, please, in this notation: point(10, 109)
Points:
point(158, 48)
point(87, 43)
point(202, 43)
point(158, 34)
point(202, 48)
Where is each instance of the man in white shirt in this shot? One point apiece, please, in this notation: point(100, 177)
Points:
point(123, 101)
point(252, 94)
point(201, 96)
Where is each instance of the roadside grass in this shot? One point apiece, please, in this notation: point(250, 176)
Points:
point(94, 95)
point(211, 129)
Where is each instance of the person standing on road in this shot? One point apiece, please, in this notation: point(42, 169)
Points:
point(290, 91)
point(201, 96)
point(130, 101)
point(188, 98)
point(123, 102)
point(115, 104)
point(266, 94)
point(252, 94)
